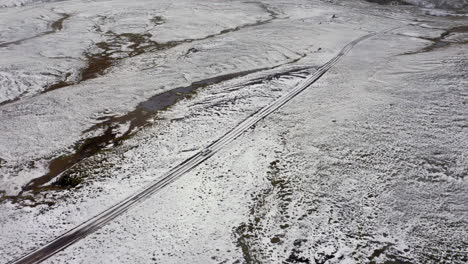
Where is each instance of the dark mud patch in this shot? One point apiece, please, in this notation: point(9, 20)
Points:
point(57, 166)
point(243, 242)
point(126, 45)
point(384, 252)
point(60, 84)
point(118, 47)
point(377, 253)
point(58, 24)
point(27, 200)
point(145, 111)
point(157, 20)
point(388, 2)
point(135, 120)
point(296, 253)
point(448, 5)
point(55, 26)
point(442, 41)
point(106, 54)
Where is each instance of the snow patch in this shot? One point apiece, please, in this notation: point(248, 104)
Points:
point(17, 3)
point(445, 4)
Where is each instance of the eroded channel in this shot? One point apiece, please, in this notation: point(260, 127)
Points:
point(61, 175)
point(55, 26)
point(110, 51)
point(107, 54)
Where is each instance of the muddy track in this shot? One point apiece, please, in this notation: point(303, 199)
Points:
point(189, 164)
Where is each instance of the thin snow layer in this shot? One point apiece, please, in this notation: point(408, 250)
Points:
point(120, 91)
point(366, 166)
point(17, 3)
point(449, 4)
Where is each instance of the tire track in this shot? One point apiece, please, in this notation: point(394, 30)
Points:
point(98, 221)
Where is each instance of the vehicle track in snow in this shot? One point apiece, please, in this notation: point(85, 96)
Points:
point(98, 221)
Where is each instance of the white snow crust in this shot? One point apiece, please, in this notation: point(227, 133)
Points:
point(368, 165)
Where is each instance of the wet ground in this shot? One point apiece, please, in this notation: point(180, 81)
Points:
point(363, 167)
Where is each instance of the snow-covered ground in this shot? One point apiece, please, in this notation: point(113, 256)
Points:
point(452, 4)
point(368, 165)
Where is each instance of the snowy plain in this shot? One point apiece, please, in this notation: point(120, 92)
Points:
point(368, 165)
